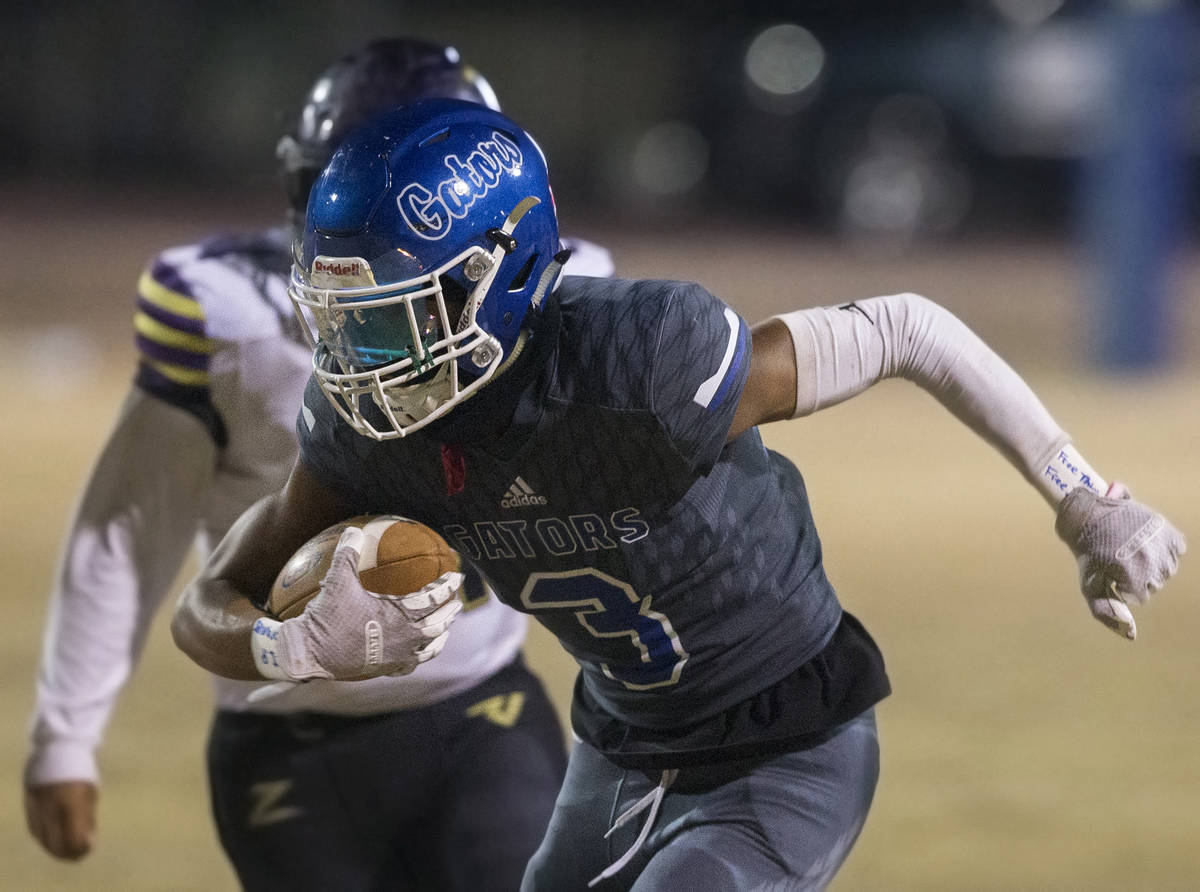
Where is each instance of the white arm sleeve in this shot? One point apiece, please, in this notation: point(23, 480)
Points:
point(841, 351)
point(130, 533)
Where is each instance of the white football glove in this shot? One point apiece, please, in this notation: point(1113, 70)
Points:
point(1126, 551)
point(347, 632)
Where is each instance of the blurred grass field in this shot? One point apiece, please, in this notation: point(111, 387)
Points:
point(1025, 747)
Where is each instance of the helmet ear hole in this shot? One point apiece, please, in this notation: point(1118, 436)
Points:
point(522, 277)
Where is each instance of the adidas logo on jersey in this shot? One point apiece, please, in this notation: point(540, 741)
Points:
point(521, 494)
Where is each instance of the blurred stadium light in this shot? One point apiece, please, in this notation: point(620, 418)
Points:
point(1006, 97)
point(670, 159)
point(783, 63)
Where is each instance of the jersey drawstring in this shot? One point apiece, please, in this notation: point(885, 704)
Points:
point(651, 800)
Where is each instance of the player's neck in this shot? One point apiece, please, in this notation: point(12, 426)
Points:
point(499, 417)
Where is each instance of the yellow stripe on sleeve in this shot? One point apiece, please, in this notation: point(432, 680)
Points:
point(179, 374)
point(170, 337)
point(171, 301)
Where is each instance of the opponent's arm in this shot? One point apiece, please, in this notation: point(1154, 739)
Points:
point(345, 632)
point(131, 531)
point(810, 359)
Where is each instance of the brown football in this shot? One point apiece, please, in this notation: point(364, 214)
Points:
point(398, 556)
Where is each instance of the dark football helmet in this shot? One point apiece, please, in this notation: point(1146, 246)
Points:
point(428, 238)
point(369, 80)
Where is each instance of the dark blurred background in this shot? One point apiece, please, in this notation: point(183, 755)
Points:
point(877, 116)
point(886, 123)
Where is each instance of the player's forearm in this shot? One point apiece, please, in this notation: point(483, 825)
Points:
point(212, 624)
point(216, 614)
point(844, 350)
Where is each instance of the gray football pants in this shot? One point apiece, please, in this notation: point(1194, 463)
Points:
point(785, 825)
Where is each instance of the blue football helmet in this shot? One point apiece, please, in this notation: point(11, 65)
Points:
point(428, 238)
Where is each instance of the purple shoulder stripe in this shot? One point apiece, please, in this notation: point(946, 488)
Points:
point(173, 320)
point(172, 355)
point(168, 276)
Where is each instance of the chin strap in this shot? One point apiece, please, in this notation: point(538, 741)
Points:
point(550, 274)
point(550, 277)
point(517, 350)
point(505, 243)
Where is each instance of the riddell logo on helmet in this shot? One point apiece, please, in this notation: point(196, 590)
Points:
point(340, 272)
point(337, 268)
point(430, 212)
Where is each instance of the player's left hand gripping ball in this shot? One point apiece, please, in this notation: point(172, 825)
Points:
point(348, 632)
point(1126, 551)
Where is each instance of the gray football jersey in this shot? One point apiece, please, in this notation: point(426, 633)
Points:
point(593, 487)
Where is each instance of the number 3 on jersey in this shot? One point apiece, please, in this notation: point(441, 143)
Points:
point(609, 608)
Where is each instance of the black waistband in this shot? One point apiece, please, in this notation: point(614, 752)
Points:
point(798, 712)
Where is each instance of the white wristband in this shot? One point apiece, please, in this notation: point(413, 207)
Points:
point(264, 638)
point(1064, 471)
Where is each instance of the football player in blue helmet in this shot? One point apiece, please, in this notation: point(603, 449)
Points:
point(593, 450)
point(329, 785)
point(419, 276)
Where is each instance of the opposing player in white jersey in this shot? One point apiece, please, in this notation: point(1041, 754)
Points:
point(328, 785)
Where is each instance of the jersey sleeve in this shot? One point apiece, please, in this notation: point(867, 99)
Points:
point(132, 530)
point(174, 349)
point(699, 368)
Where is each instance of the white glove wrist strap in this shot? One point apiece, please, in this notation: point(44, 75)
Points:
point(264, 646)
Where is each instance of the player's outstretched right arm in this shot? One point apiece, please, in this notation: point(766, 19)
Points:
point(809, 359)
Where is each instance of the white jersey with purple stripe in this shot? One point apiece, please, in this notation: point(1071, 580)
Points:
point(593, 487)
